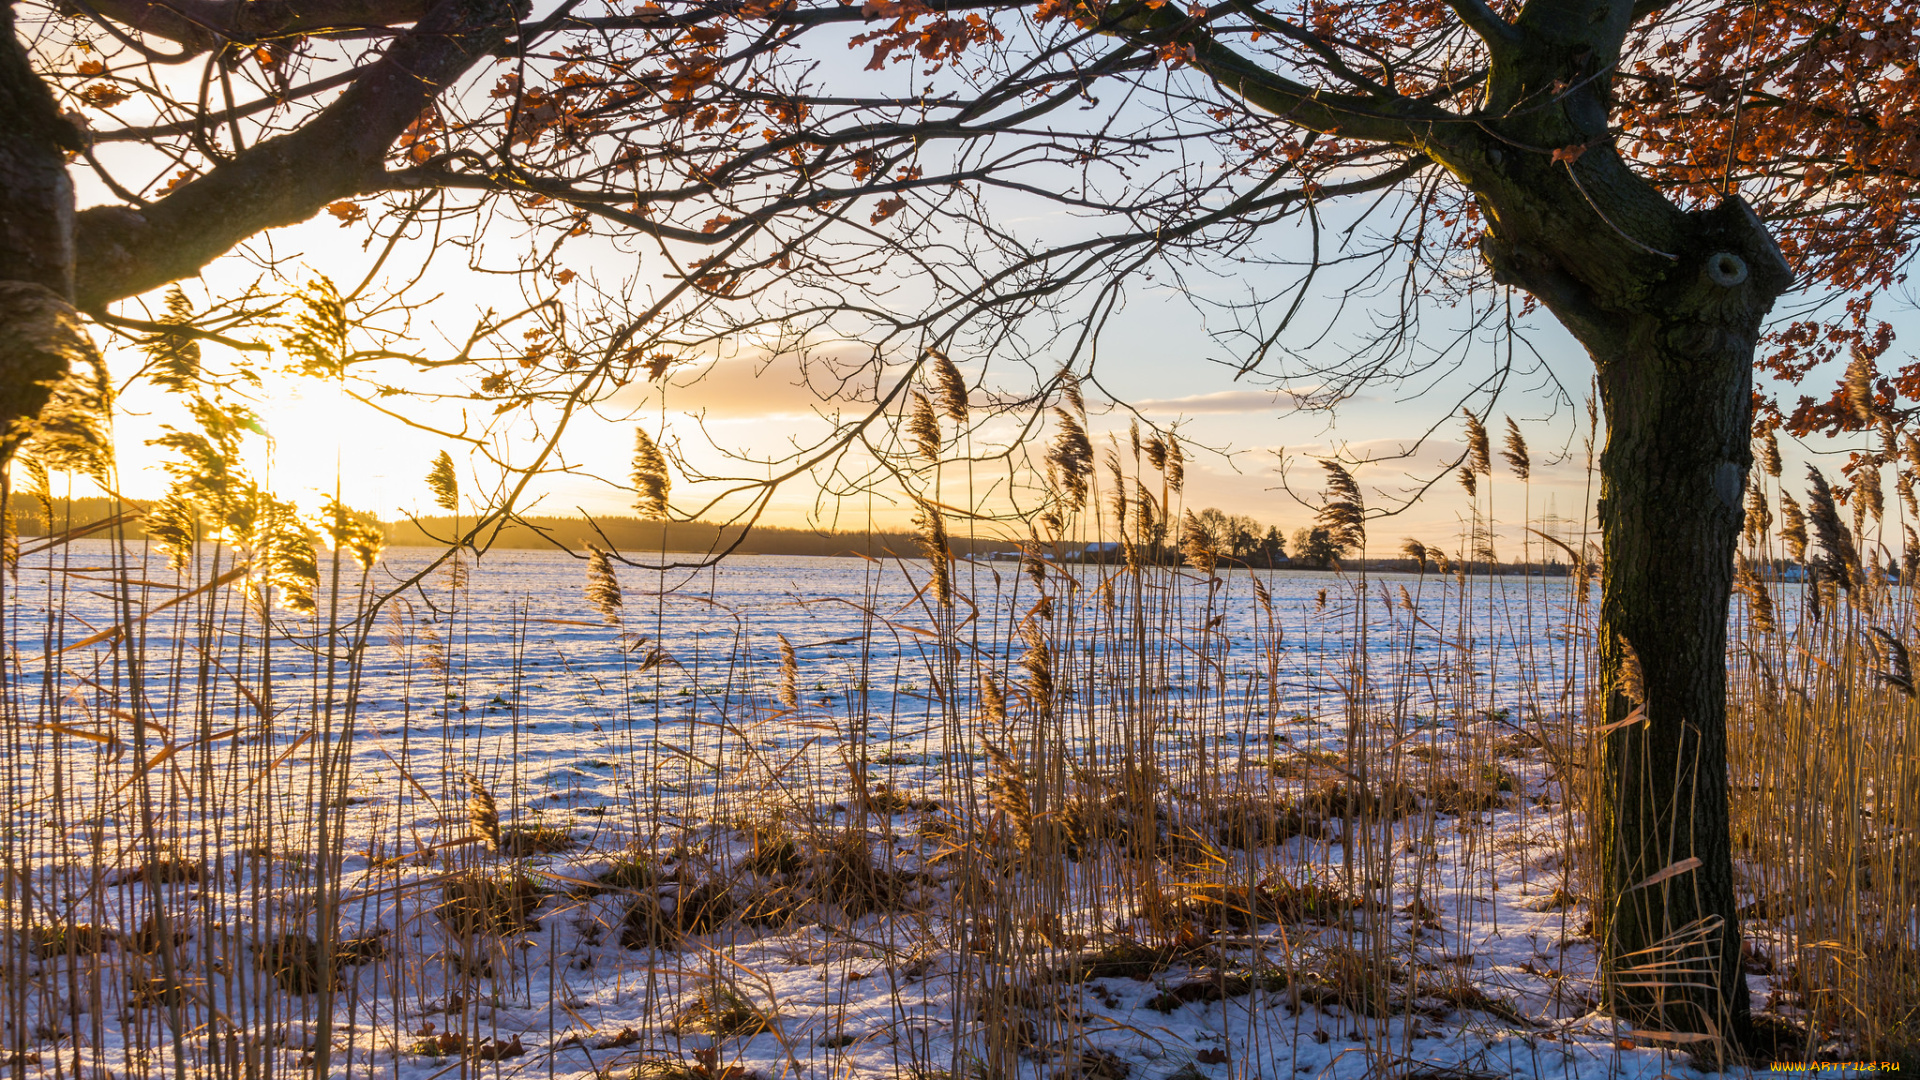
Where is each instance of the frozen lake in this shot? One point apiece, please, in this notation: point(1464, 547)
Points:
point(518, 670)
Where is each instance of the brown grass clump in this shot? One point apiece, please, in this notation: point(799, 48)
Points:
point(1124, 958)
point(527, 841)
point(774, 853)
point(1334, 801)
point(1274, 900)
point(846, 874)
point(1220, 986)
point(1451, 795)
point(696, 909)
point(888, 800)
point(632, 871)
point(1348, 977)
point(169, 869)
point(294, 960)
point(1087, 1063)
point(477, 902)
point(1089, 819)
point(1248, 822)
point(722, 1011)
point(70, 939)
point(1305, 764)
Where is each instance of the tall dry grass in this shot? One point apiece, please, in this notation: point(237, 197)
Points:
point(1167, 768)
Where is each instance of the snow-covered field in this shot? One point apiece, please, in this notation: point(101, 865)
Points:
point(1138, 871)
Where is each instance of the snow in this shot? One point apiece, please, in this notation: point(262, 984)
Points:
point(561, 717)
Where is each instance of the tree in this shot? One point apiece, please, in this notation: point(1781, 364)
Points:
point(1619, 162)
point(1316, 545)
point(1273, 546)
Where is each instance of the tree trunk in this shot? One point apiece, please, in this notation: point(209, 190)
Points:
point(1677, 389)
point(37, 324)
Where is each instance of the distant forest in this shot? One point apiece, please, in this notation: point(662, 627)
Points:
point(1237, 540)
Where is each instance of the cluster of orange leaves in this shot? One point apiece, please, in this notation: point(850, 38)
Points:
point(1814, 110)
point(937, 40)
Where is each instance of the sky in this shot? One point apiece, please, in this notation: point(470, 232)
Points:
point(1251, 449)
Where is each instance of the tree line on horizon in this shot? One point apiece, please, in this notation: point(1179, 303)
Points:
point(1238, 539)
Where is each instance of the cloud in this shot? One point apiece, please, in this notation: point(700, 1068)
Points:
point(1220, 401)
point(764, 387)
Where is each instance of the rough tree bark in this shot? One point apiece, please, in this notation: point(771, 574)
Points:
point(1669, 304)
point(36, 239)
point(1675, 376)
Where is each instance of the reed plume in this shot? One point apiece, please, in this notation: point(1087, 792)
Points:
point(1770, 454)
point(1759, 602)
point(319, 342)
point(651, 483)
point(1070, 460)
point(789, 674)
point(1912, 447)
point(1343, 513)
point(434, 651)
point(1037, 661)
point(993, 701)
point(1468, 482)
point(950, 389)
point(930, 535)
point(39, 485)
point(1479, 453)
point(1793, 528)
point(1031, 564)
point(1156, 453)
point(1416, 551)
point(283, 557)
point(603, 586)
point(397, 613)
point(1176, 464)
point(1440, 560)
point(1198, 546)
point(1146, 514)
point(1838, 561)
point(1070, 388)
point(1897, 662)
point(1133, 436)
point(1903, 484)
point(924, 428)
point(171, 525)
point(173, 352)
point(1631, 682)
point(73, 430)
point(1866, 484)
point(483, 813)
point(442, 482)
point(1859, 385)
point(455, 571)
point(1007, 792)
point(1117, 494)
point(1758, 517)
point(1515, 452)
point(1910, 557)
point(361, 541)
